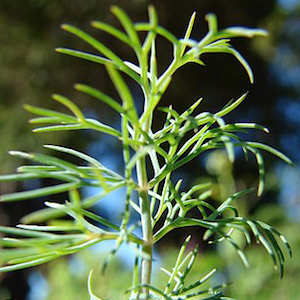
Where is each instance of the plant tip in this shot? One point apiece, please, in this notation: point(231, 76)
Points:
point(77, 86)
point(193, 15)
point(64, 26)
point(94, 23)
point(262, 32)
point(114, 8)
point(51, 204)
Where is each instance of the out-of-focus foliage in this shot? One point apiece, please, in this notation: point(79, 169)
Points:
point(68, 277)
point(257, 282)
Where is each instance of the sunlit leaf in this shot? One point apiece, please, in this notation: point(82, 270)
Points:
point(112, 31)
point(50, 113)
point(71, 105)
point(188, 31)
point(99, 95)
point(124, 92)
point(41, 192)
point(127, 24)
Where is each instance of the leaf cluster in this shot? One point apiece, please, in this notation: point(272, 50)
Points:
point(44, 236)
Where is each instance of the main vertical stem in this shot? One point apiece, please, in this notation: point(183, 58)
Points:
point(146, 222)
point(144, 200)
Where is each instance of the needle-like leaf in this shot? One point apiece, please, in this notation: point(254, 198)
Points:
point(99, 95)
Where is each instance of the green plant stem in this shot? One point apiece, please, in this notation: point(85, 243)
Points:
point(146, 223)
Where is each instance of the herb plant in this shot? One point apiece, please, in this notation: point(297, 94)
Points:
point(150, 158)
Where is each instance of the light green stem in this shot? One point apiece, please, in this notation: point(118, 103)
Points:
point(146, 222)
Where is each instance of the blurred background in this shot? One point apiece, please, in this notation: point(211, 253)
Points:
point(30, 71)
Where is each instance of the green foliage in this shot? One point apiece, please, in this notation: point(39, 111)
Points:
point(155, 155)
